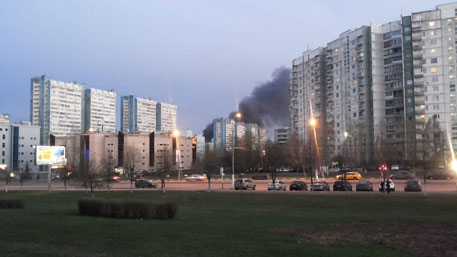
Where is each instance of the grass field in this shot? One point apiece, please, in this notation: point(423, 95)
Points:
point(233, 224)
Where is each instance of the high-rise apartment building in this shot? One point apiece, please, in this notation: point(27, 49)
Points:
point(5, 119)
point(99, 110)
point(57, 107)
point(138, 115)
point(166, 117)
point(64, 108)
point(225, 129)
point(431, 88)
point(335, 86)
point(388, 89)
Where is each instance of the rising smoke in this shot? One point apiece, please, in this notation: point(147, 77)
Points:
point(268, 104)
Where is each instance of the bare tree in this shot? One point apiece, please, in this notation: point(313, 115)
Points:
point(107, 170)
point(64, 176)
point(24, 175)
point(164, 167)
point(211, 160)
point(131, 157)
point(274, 159)
point(88, 175)
point(297, 153)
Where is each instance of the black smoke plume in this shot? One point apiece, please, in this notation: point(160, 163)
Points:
point(268, 104)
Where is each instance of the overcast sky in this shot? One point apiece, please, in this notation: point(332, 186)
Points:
point(203, 55)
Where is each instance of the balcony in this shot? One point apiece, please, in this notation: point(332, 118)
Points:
point(417, 56)
point(419, 100)
point(419, 82)
point(418, 92)
point(420, 111)
point(417, 47)
point(417, 37)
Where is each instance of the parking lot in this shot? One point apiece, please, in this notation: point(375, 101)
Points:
point(432, 186)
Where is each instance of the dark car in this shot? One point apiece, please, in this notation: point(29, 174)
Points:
point(320, 186)
point(413, 186)
point(364, 185)
point(401, 175)
point(298, 186)
point(342, 185)
point(143, 183)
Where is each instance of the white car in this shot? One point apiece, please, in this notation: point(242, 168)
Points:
point(383, 187)
point(279, 185)
point(395, 167)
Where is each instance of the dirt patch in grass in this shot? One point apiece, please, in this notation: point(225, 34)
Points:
point(420, 240)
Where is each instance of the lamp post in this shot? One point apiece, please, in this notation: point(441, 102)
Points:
point(237, 116)
point(312, 123)
point(176, 135)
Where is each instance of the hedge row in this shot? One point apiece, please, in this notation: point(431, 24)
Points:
point(12, 203)
point(130, 209)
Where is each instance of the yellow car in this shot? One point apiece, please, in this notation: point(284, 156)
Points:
point(350, 176)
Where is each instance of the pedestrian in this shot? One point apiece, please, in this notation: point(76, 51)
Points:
point(388, 186)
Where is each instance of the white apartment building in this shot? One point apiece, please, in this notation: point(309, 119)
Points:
point(100, 110)
point(166, 117)
point(5, 119)
point(201, 145)
point(341, 86)
point(5, 144)
point(138, 115)
point(434, 67)
point(225, 129)
point(57, 107)
point(17, 146)
point(281, 135)
point(25, 137)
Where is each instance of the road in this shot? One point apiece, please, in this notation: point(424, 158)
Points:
point(433, 186)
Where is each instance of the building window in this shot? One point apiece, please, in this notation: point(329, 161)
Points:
point(434, 70)
point(434, 60)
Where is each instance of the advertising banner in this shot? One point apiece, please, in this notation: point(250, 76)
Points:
point(50, 155)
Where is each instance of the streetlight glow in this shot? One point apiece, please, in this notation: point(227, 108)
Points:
point(312, 122)
point(238, 115)
point(176, 133)
point(454, 165)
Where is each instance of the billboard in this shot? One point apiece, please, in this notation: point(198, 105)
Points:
point(50, 155)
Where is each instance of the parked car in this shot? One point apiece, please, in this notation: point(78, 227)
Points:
point(279, 185)
point(244, 184)
point(298, 186)
point(116, 178)
point(413, 186)
point(143, 183)
point(395, 167)
point(401, 175)
point(342, 185)
point(350, 176)
point(196, 177)
point(439, 175)
point(320, 186)
point(383, 186)
point(364, 185)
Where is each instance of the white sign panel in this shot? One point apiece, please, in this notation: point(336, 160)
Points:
point(50, 155)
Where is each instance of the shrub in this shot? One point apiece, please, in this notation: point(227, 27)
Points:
point(12, 203)
point(130, 209)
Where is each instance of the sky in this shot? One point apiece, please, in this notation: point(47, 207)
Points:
point(203, 55)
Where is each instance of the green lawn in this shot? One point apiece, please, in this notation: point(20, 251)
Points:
point(213, 224)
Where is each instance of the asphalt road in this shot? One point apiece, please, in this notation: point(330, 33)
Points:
point(433, 186)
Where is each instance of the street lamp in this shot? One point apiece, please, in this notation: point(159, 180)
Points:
point(312, 122)
point(237, 116)
point(176, 135)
